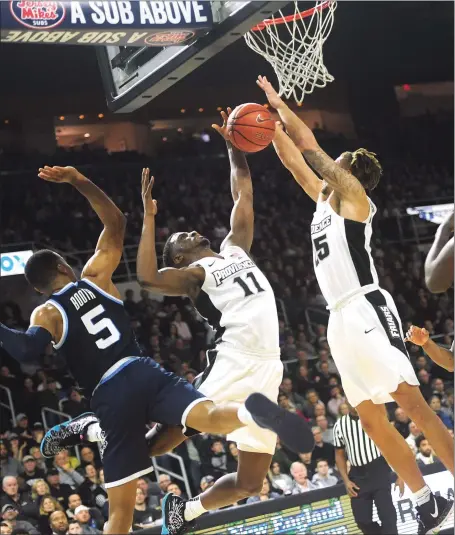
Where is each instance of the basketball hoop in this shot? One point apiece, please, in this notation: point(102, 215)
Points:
point(296, 52)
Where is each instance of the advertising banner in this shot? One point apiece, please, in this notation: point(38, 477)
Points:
point(135, 23)
point(14, 263)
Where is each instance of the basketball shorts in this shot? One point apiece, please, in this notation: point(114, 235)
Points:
point(232, 376)
point(136, 393)
point(366, 341)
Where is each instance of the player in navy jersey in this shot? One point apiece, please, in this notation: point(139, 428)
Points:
point(86, 321)
point(364, 330)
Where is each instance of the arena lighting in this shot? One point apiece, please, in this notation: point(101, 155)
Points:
point(86, 134)
point(179, 129)
point(200, 110)
point(164, 139)
point(81, 117)
point(406, 87)
point(100, 115)
point(219, 108)
point(182, 110)
point(6, 121)
point(62, 117)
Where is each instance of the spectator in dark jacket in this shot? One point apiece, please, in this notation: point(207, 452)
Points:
point(21, 502)
point(58, 490)
point(10, 514)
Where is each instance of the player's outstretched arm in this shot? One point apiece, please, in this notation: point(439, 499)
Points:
point(168, 281)
point(242, 215)
point(439, 262)
point(337, 178)
point(293, 160)
point(440, 355)
point(28, 346)
point(109, 248)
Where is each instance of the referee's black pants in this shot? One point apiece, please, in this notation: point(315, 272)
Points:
point(373, 480)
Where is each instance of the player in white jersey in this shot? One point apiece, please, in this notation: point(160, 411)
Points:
point(233, 295)
point(364, 330)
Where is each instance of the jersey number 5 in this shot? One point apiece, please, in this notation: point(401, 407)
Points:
point(246, 287)
point(322, 248)
point(95, 327)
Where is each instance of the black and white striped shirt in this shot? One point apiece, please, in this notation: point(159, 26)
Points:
point(349, 434)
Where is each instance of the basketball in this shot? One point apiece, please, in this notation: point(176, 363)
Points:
point(251, 127)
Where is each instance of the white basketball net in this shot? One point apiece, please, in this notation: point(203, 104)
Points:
point(297, 54)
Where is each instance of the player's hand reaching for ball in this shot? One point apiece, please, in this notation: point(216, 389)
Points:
point(272, 96)
point(417, 336)
point(150, 204)
point(223, 129)
point(60, 174)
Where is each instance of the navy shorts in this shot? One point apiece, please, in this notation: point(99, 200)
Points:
point(137, 394)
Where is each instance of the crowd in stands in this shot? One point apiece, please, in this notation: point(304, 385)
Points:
point(66, 494)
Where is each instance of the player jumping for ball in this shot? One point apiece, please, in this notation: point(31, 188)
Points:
point(364, 330)
point(86, 321)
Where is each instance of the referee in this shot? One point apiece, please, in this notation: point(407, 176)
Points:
point(369, 478)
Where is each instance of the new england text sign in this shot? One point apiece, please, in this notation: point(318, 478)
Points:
point(136, 23)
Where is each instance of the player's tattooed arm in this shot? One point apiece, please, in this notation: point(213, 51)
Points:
point(293, 160)
point(439, 263)
point(167, 281)
point(242, 215)
point(336, 177)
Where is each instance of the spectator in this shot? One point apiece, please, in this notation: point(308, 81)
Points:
point(39, 459)
point(217, 459)
point(39, 489)
point(207, 482)
point(91, 487)
point(129, 303)
point(414, 432)
point(88, 523)
point(303, 382)
point(88, 457)
point(312, 401)
point(336, 400)
point(74, 501)
point(424, 452)
point(183, 330)
point(58, 523)
point(58, 490)
point(344, 409)
point(10, 514)
point(175, 489)
point(323, 478)
point(68, 474)
point(285, 403)
point(20, 501)
point(425, 386)
point(143, 514)
point(402, 421)
point(76, 404)
point(280, 481)
point(5, 529)
point(281, 456)
point(322, 449)
point(30, 472)
point(164, 481)
point(37, 434)
point(8, 464)
point(265, 494)
point(17, 447)
point(74, 528)
point(323, 424)
point(288, 389)
point(435, 404)
point(301, 482)
point(22, 428)
point(309, 462)
point(48, 506)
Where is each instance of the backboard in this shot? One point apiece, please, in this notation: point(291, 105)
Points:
point(133, 76)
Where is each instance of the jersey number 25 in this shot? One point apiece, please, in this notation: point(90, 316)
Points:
point(95, 327)
point(322, 248)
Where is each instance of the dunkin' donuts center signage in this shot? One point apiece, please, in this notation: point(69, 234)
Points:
point(136, 23)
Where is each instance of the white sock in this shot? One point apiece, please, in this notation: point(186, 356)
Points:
point(193, 509)
point(244, 416)
point(94, 433)
point(423, 495)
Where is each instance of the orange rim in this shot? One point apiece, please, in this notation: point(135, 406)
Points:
point(290, 18)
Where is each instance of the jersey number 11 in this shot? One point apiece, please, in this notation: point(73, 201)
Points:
point(246, 287)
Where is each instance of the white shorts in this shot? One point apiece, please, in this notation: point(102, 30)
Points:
point(366, 341)
point(233, 376)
